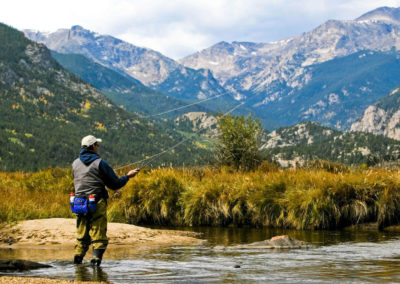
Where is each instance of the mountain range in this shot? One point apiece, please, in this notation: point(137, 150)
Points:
point(343, 75)
point(120, 88)
point(271, 74)
point(148, 66)
point(281, 82)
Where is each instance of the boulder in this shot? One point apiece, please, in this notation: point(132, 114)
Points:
point(277, 242)
point(20, 264)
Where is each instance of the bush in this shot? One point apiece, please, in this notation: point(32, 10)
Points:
point(267, 166)
point(239, 142)
point(153, 200)
point(328, 166)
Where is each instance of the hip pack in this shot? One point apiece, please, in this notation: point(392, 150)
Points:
point(83, 205)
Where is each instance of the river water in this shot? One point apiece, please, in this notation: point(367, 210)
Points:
point(336, 257)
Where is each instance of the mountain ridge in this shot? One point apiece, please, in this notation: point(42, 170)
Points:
point(306, 141)
point(386, 14)
point(148, 66)
point(123, 90)
point(275, 70)
point(269, 76)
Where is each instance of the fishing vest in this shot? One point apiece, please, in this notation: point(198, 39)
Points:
point(87, 179)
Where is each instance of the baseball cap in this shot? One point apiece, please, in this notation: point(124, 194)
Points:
point(89, 140)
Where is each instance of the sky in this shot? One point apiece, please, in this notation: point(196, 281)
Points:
point(178, 28)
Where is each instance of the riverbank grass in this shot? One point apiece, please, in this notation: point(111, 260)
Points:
point(311, 198)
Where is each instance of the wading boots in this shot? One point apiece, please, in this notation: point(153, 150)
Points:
point(78, 259)
point(97, 256)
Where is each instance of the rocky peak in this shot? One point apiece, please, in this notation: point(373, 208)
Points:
point(78, 28)
point(200, 120)
point(384, 14)
point(383, 117)
point(146, 65)
point(254, 66)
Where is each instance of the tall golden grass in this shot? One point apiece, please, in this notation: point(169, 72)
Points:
point(35, 195)
point(317, 197)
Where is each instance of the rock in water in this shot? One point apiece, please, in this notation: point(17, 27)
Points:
point(277, 242)
point(20, 264)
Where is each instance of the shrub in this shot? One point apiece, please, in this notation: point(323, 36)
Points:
point(239, 141)
point(328, 166)
point(153, 200)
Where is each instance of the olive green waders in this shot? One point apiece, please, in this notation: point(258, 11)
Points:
point(92, 229)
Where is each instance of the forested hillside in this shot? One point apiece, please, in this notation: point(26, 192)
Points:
point(45, 111)
point(121, 88)
point(291, 146)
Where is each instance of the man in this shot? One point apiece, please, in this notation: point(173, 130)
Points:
point(91, 176)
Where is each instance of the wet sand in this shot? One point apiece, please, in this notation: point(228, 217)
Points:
point(61, 232)
point(54, 239)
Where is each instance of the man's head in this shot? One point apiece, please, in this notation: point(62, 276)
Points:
point(90, 142)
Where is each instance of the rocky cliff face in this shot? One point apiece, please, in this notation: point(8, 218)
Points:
point(279, 78)
point(201, 122)
point(148, 66)
point(294, 145)
point(383, 117)
point(259, 64)
point(305, 133)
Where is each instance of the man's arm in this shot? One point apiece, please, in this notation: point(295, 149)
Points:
point(111, 179)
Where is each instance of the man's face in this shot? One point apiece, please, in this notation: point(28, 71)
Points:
point(95, 147)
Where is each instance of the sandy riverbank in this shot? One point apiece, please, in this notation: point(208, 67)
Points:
point(53, 239)
point(61, 232)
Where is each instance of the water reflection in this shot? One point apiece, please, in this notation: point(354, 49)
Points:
point(234, 235)
point(90, 273)
point(338, 256)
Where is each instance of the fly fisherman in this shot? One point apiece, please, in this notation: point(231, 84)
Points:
point(91, 176)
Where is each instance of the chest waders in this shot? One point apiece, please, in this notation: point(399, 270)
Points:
point(92, 226)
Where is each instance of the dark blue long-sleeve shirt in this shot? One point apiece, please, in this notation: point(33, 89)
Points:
point(109, 177)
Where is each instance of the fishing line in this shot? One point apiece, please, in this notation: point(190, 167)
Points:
point(145, 161)
point(185, 106)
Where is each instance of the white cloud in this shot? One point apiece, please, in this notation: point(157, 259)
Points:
point(180, 27)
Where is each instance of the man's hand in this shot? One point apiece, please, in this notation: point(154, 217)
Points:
point(132, 173)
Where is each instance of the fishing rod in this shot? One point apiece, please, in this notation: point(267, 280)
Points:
point(145, 161)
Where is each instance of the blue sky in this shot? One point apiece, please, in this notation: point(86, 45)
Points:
point(178, 28)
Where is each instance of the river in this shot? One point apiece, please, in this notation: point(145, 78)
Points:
point(337, 256)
